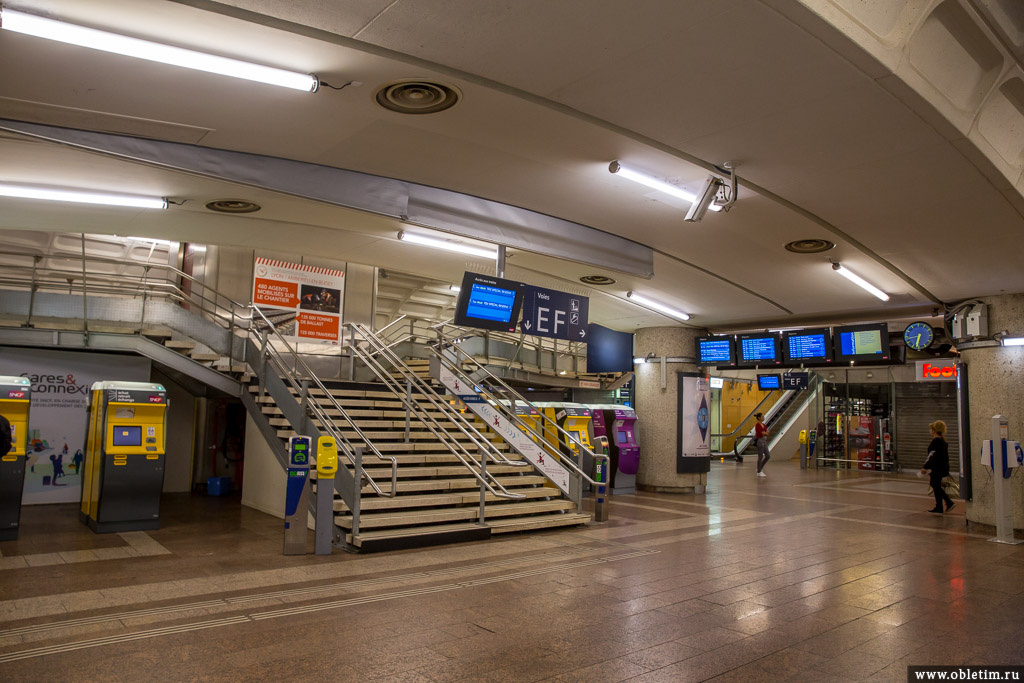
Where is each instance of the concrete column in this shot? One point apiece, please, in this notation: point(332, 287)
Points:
point(657, 408)
point(996, 386)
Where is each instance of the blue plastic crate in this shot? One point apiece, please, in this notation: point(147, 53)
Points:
point(218, 486)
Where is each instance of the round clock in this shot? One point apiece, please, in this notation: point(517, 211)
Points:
point(918, 336)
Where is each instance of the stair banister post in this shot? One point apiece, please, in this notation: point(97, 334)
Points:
point(408, 409)
point(263, 363)
point(483, 485)
point(357, 496)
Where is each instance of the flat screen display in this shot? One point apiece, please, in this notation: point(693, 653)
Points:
point(807, 346)
point(769, 382)
point(862, 342)
point(759, 349)
point(622, 437)
point(609, 350)
point(127, 436)
point(715, 351)
point(490, 303)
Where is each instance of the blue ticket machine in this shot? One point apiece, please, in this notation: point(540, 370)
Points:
point(296, 504)
point(625, 451)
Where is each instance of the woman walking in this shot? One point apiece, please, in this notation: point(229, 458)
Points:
point(761, 435)
point(937, 466)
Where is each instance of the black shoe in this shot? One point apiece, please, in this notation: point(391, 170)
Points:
point(949, 506)
point(936, 510)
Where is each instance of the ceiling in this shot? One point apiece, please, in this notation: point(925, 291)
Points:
point(551, 93)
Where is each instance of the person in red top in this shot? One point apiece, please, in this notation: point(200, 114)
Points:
point(761, 435)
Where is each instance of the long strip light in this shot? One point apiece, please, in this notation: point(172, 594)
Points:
point(81, 197)
point(425, 241)
point(631, 174)
point(660, 307)
point(859, 281)
point(1012, 341)
point(52, 29)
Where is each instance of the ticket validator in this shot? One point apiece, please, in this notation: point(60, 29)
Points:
point(15, 397)
point(124, 459)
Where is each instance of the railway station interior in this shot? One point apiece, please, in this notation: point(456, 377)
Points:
point(548, 340)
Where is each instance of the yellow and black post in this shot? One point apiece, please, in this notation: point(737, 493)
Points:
point(15, 398)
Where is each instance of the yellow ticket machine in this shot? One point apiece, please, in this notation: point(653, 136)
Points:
point(15, 397)
point(575, 418)
point(124, 460)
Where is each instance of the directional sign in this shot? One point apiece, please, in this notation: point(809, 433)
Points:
point(550, 313)
point(794, 380)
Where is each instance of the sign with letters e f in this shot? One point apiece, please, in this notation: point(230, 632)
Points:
point(550, 313)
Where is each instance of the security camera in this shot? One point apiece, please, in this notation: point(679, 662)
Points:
point(704, 199)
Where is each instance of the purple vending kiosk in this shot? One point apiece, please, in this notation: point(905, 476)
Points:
point(625, 451)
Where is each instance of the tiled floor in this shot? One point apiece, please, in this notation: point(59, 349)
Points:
point(803, 576)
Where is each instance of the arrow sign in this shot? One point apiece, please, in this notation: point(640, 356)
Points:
point(559, 315)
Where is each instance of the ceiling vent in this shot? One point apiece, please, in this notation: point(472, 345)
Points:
point(812, 246)
point(233, 206)
point(599, 280)
point(417, 97)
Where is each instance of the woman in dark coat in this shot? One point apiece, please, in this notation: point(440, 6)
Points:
point(937, 466)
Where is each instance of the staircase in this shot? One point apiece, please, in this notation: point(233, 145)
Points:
point(438, 499)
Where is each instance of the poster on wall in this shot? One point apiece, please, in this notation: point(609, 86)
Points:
point(58, 417)
point(693, 430)
point(313, 293)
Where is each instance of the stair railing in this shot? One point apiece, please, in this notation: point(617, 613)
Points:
point(443, 343)
point(268, 337)
point(372, 358)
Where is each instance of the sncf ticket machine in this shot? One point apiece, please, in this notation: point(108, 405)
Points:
point(124, 460)
point(15, 396)
point(625, 451)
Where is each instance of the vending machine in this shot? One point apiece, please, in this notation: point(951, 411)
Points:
point(625, 451)
point(124, 459)
point(15, 399)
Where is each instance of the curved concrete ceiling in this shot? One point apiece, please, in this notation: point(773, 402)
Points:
point(552, 91)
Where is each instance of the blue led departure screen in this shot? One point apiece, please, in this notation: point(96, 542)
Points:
point(768, 382)
point(807, 346)
point(490, 303)
point(860, 343)
point(760, 348)
point(715, 351)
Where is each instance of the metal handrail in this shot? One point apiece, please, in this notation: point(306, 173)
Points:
point(510, 411)
point(319, 413)
point(452, 444)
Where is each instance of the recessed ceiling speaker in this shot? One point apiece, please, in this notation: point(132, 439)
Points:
point(233, 206)
point(417, 97)
point(599, 280)
point(811, 246)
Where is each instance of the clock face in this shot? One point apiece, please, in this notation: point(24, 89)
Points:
point(918, 336)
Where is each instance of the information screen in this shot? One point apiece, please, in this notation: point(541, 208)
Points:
point(621, 437)
point(715, 351)
point(862, 342)
point(491, 303)
point(767, 382)
point(759, 349)
point(127, 436)
point(808, 345)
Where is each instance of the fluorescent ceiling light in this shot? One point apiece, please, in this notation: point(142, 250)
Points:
point(454, 288)
point(459, 247)
point(662, 308)
point(639, 360)
point(51, 29)
point(1012, 341)
point(859, 281)
point(629, 174)
point(81, 197)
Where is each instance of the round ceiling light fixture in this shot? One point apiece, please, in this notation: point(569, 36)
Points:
point(417, 97)
point(599, 280)
point(810, 246)
point(233, 206)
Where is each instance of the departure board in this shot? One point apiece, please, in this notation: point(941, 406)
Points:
point(713, 350)
point(491, 303)
point(808, 346)
point(860, 343)
point(757, 349)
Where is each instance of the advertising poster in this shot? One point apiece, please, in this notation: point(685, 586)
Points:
point(58, 414)
point(693, 433)
point(313, 293)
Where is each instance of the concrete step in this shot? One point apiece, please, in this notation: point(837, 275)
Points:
point(454, 484)
point(378, 520)
point(465, 498)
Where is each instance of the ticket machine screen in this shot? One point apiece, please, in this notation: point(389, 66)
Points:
point(127, 436)
point(622, 437)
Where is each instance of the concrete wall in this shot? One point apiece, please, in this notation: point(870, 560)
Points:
point(180, 435)
point(264, 483)
point(996, 386)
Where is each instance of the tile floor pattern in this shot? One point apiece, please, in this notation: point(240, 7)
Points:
point(802, 576)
